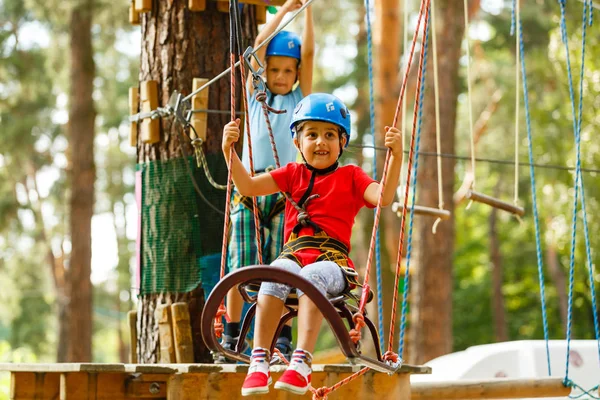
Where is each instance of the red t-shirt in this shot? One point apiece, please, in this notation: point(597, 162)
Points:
point(341, 196)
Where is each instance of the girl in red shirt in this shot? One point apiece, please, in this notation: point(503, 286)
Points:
point(325, 199)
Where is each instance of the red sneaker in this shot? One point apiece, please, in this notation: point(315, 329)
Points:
point(293, 381)
point(256, 382)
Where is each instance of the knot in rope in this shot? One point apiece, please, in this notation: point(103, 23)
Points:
point(197, 143)
point(392, 359)
point(321, 393)
point(261, 96)
point(303, 218)
point(280, 357)
point(219, 329)
point(359, 323)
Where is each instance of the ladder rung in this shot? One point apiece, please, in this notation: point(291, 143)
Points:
point(421, 210)
point(496, 203)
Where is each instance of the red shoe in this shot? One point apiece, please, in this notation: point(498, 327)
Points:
point(256, 383)
point(293, 381)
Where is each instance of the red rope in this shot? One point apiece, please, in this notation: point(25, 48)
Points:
point(365, 293)
point(389, 356)
point(251, 158)
point(407, 187)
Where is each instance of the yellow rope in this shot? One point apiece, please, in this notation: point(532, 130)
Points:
point(518, 56)
point(438, 143)
point(469, 101)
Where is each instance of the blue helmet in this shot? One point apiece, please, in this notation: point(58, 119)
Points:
point(285, 44)
point(322, 107)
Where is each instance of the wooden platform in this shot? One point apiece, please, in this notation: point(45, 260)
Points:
point(186, 381)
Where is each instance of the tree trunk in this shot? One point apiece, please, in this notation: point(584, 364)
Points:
point(83, 175)
point(386, 37)
point(177, 46)
point(498, 309)
point(431, 312)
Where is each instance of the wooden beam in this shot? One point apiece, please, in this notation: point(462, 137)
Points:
point(134, 105)
point(182, 333)
point(162, 315)
point(496, 203)
point(261, 14)
point(132, 319)
point(197, 5)
point(258, 2)
point(490, 389)
point(143, 5)
point(149, 102)
point(134, 15)
point(199, 102)
point(34, 385)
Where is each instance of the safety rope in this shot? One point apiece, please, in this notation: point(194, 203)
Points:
point(516, 21)
point(373, 121)
point(255, 216)
point(536, 220)
point(358, 317)
point(365, 292)
point(436, 96)
point(469, 99)
point(201, 162)
point(578, 177)
point(415, 141)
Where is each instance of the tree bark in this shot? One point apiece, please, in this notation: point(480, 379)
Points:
point(177, 46)
point(431, 312)
point(498, 309)
point(82, 174)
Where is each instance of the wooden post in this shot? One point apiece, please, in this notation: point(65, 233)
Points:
point(199, 102)
point(134, 104)
point(149, 98)
point(182, 333)
point(261, 14)
point(132, 320)
point(223, 7)
point(165, 333)
point(143, 5)
point(490, 389)
point(197, 5)
point(33, 385)
point(134, 15)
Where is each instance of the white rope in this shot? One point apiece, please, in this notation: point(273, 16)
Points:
point(469, 101)
point(518, 57)
point(438, 143)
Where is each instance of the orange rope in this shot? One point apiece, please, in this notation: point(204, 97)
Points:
point(407, 187)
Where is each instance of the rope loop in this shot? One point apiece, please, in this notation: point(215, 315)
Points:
point(359, 323)
point(219, 328)
point(261, 97)
point(321, 393)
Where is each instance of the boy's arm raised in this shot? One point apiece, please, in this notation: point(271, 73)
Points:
point(308, 54)
point(266, 31)
point(246, 185)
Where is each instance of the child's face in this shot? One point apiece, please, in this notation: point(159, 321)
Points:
point(282, 73)
point(320, 143)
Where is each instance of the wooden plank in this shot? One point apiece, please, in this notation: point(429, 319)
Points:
point(162, 315)
point(134, 104)
point(93, 386)
point(134, 15)
point(223, 6)
point(34, 385)
point(199, 102)
point(490, 389)
point(132, 321)
point(258, 2)
point(150, 128)
point(197, 5)
point(146, 386)
point(182, 333)
point(143, 5)
point(261, 14)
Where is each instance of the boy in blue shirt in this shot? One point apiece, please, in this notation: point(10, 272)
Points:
point(288, 61)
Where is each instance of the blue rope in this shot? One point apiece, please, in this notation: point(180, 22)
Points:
point(377, 234)
point(578, 177)
point(538, 245)
point(591, 393)
point(586, 7)
point(414, 193)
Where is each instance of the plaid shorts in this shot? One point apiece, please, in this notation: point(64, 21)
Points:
point(242, 250)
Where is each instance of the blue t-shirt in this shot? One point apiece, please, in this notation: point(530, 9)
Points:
point(262, 154)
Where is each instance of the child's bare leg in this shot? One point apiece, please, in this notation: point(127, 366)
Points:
point(309, 323)
point(268, 314)
point(235, 303)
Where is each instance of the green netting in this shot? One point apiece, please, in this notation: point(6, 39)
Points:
point(181, 234)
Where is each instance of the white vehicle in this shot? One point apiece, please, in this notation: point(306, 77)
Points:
point(519, 359)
